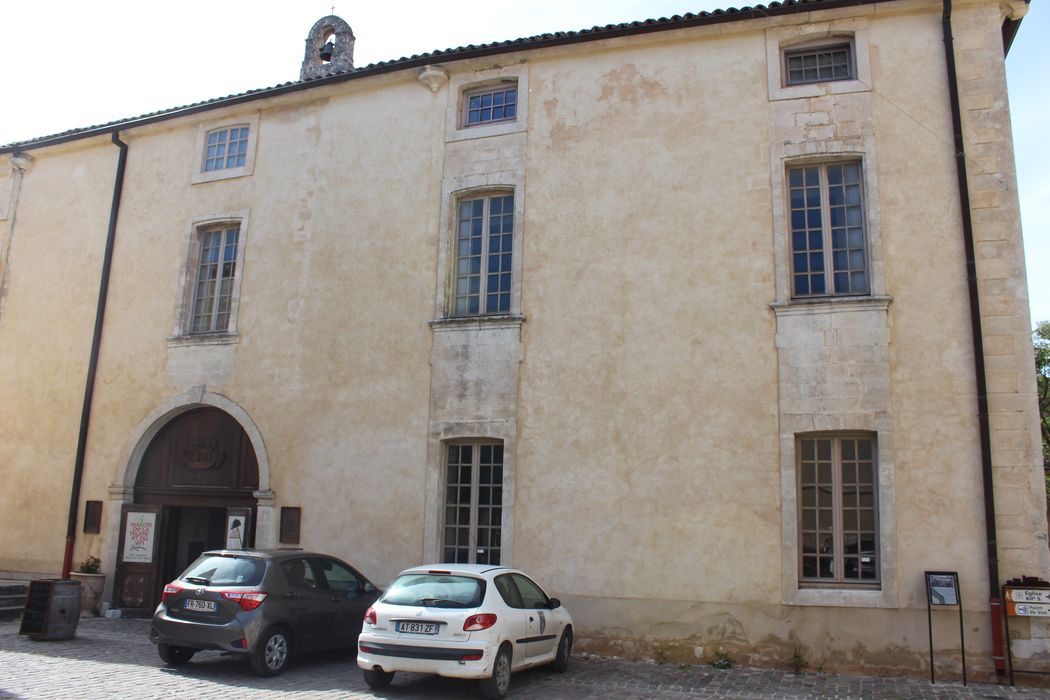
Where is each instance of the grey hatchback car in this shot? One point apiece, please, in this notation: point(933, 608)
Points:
point(263, 604)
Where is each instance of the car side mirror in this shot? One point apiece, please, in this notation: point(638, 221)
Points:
point(369, 588)
point(554, 603)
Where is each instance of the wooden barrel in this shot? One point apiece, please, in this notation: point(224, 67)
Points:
point(52, 609)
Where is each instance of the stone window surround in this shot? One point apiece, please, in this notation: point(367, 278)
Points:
point(877, 423)
point(831, 151)
point(780, 39)
point(503, 431)
point(482, 184)
point(460, 85)
point(181, 334)
point(205, 128)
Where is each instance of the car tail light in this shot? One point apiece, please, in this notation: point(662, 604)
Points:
point(481, 621)
point(370, 616)
point(249, 600)
point(170, 590)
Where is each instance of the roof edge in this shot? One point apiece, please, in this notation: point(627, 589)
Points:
point(774, 9)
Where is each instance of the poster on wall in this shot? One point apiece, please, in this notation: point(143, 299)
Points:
point(236, 527)
point(139, 533)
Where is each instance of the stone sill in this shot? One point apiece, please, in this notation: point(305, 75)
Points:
point(203, 339)
point(477, 322)
point(820, 305)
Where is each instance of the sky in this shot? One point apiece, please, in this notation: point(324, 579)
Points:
point(123, 58)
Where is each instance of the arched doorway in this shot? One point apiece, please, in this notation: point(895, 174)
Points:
point(193, 491)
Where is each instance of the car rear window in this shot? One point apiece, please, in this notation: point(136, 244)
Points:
point(211, 570)
point(435, 591)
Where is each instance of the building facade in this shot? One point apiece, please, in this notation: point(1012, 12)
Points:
point(674, 315)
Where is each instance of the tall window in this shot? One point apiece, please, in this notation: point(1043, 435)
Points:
point(226, 148)
point(838, 523)
point(818, 64)
point(484, 249)
point(213, 290)
point(490, 105)
point(473, 503)
point(827, 230)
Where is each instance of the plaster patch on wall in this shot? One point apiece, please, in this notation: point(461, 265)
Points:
point(626, 84)
point(190, 365)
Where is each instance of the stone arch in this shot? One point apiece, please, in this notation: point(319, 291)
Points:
point(336, 30)
point(177, 405)
point(161, 416)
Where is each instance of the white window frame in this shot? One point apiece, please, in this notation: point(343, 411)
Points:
point(789, 52)
point(249, 121)
point(198, 227)
point(486, 197)
point(473, 506)
point(828, 251)
point(501, 87)
point(835, 550)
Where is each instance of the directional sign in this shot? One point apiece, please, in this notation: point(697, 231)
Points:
point(1028, 609)
point(1028, 595)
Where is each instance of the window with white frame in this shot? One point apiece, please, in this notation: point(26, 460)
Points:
point(484, 255)
point(819, 64)
point(214, 280)
point(828, 243)
point(226, 148)
point(838, 509)
point(473, 503)
point(490, 104)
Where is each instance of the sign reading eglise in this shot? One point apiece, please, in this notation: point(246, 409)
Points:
point(1028, 602)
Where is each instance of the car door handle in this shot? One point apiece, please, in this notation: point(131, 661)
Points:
point(292, 596)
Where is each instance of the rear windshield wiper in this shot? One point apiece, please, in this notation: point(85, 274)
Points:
point(198, 580)
point(441, 603)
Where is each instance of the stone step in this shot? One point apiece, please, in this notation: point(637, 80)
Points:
point(12, 599)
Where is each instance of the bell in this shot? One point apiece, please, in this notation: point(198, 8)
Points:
point(326, 51)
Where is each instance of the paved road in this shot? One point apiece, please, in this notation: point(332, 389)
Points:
point(114, 659)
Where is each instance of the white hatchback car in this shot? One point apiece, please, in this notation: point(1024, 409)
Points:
point(463, 621)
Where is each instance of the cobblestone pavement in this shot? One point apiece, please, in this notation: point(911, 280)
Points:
point(115, 659)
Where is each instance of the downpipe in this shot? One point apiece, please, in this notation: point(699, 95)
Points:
point(994, 601)
point(96, 342)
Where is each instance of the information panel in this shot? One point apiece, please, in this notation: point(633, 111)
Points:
point(942, 587)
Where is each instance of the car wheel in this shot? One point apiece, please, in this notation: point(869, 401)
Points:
point(175, 656)
point(271, 652)
point(561, 661)
point(497, 685)
point(377, 677)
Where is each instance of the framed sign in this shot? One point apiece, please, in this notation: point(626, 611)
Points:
point(238, 521)
point(942, 587)
point(140, 531)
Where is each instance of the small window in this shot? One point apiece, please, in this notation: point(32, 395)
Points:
point(828, 248)
point(838, 509)
point(484, 253)
point(473, 503)
point(216, 271)
point(226, 148)
point(498, 104)
point(818, 64)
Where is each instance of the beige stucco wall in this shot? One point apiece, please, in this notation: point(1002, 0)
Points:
point(649, 398)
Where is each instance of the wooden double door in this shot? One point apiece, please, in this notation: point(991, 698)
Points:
point(194, 492)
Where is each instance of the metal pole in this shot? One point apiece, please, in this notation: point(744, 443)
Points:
point(929, 625)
